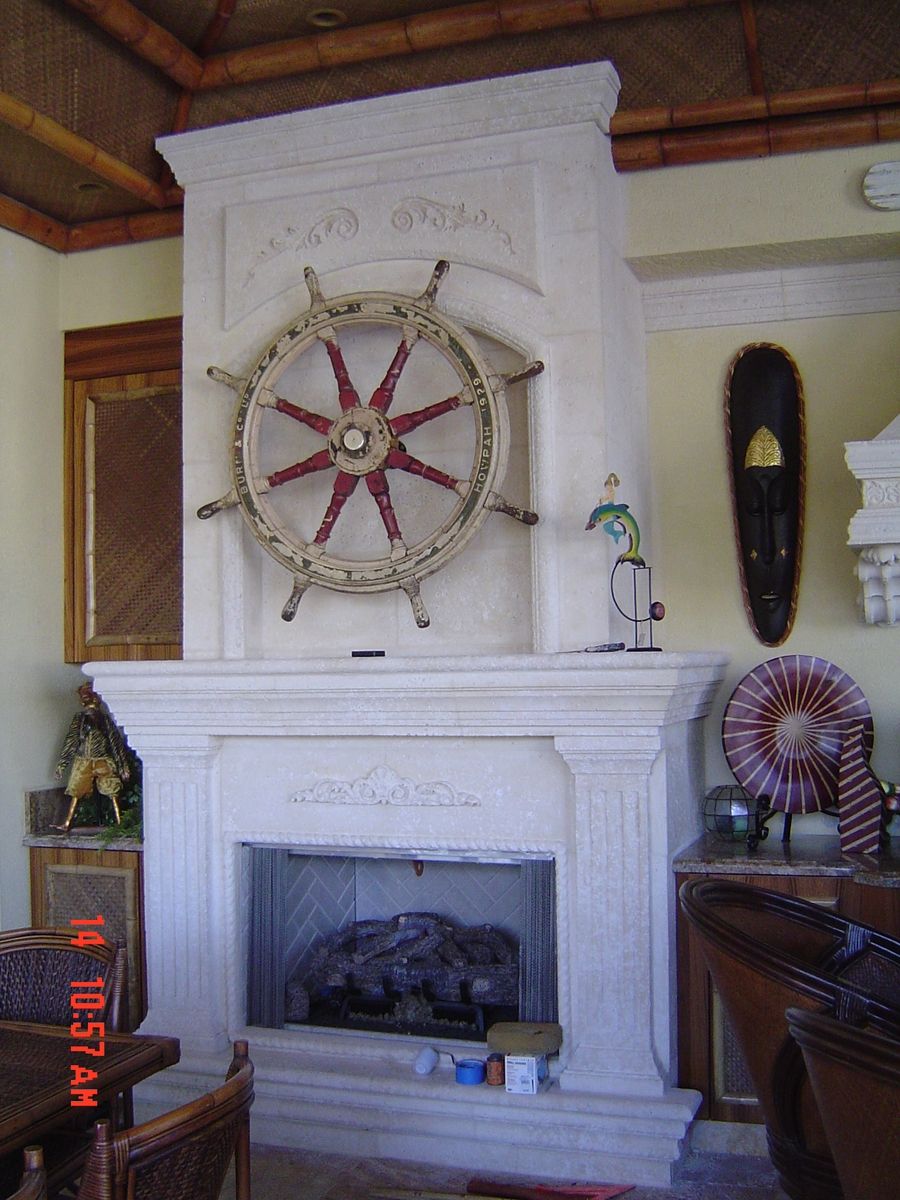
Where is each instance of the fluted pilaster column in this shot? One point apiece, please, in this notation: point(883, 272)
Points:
point(613, 1045)
point(184, 906)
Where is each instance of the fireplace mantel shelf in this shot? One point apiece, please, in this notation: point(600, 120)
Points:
point(508, 695)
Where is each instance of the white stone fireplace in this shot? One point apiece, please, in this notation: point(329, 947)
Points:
point(503, 737)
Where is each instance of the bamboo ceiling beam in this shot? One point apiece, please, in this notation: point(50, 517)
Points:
point(121, 231)
point(444, 27)
point(754, 108)
point(452, 26)
point(77, 149)
point(144, 37)
point(19, 218)
point(751, 48)
point(774, 135)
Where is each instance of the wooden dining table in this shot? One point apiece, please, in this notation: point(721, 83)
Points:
point(36, 1092)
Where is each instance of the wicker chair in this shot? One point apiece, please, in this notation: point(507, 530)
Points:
point(767, 952)
point(37, 967)
point(182, 1155)
point(34, 1179)
point(855, 1077)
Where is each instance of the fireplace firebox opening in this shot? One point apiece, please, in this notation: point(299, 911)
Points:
point(390, 944)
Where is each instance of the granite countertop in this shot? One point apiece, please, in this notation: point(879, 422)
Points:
point(810, 855)
point(81, 841)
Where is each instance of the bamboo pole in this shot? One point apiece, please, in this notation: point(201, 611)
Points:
point(755, 139)
point(27, 120)
point(121, 231)
point(751, 47)
point(455, 26)
point(148, 40)
point(211, 36)
point(31, 224)
point(748, 108)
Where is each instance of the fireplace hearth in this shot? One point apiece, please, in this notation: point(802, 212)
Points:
point(490, 736)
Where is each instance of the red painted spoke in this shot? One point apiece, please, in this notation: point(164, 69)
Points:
point(405, 462)
point(344, 487)
point(313, 420)
point(320, 461)
point(348, 397)
point(380, 489)
point(384, 393)
point(407, 421)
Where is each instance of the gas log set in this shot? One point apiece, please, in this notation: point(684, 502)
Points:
point(415, 973)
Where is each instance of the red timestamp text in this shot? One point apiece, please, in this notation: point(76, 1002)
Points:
point(87, 998)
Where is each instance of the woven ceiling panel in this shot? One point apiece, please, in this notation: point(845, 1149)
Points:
point(654, 62)
point(64, 67)
point(817, 43)
point(256, 22)
point(41, 179)
point(659, 61)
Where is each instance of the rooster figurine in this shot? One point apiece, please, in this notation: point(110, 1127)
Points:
point(618, 522)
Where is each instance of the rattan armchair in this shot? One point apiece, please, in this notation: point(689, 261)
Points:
point(37, 970)
point(182, 1155)
point(767, 952)
point(38, 966)
point(34, 1178)
point(855, 1077)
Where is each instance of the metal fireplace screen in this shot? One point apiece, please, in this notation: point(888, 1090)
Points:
point(423, 947)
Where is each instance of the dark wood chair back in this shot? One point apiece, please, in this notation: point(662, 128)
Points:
point(182, 1155)
point(39, 966)
point(767, 952)
point(34, 1178)
point(855, 1077)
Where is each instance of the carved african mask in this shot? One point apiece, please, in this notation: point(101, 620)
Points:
point(766, 444)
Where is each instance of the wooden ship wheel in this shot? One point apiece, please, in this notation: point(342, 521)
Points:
point(362, 444)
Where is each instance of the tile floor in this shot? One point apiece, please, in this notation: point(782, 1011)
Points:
point(303, 1175)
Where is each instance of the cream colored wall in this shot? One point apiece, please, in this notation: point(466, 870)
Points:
point(850, 368)
point(793, 199)
point(42, 295)
point(120, 283)
point(697, 220)
point(39, 691)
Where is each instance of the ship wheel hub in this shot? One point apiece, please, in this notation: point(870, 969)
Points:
point(360, 441)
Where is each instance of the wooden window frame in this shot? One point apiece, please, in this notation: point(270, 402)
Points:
point(138, 348)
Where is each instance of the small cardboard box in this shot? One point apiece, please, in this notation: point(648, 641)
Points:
point(526, 1074)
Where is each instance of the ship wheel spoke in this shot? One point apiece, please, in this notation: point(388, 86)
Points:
point(401, 460)
point(384, 393)
point(320, 461)
point(344, 487)
point(380, 489)
point(348, 397)
point(406, 422)
point(314, 420)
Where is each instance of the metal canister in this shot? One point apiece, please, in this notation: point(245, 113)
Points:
point(496, 1072)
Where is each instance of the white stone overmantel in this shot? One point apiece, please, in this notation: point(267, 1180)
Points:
point(491, 735)
point(590, 746)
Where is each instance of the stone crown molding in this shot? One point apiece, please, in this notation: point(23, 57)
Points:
point(391, 124)
point(755, 296)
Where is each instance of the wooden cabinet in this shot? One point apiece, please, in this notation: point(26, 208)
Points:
point(70, 880)
point(709, 1057)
